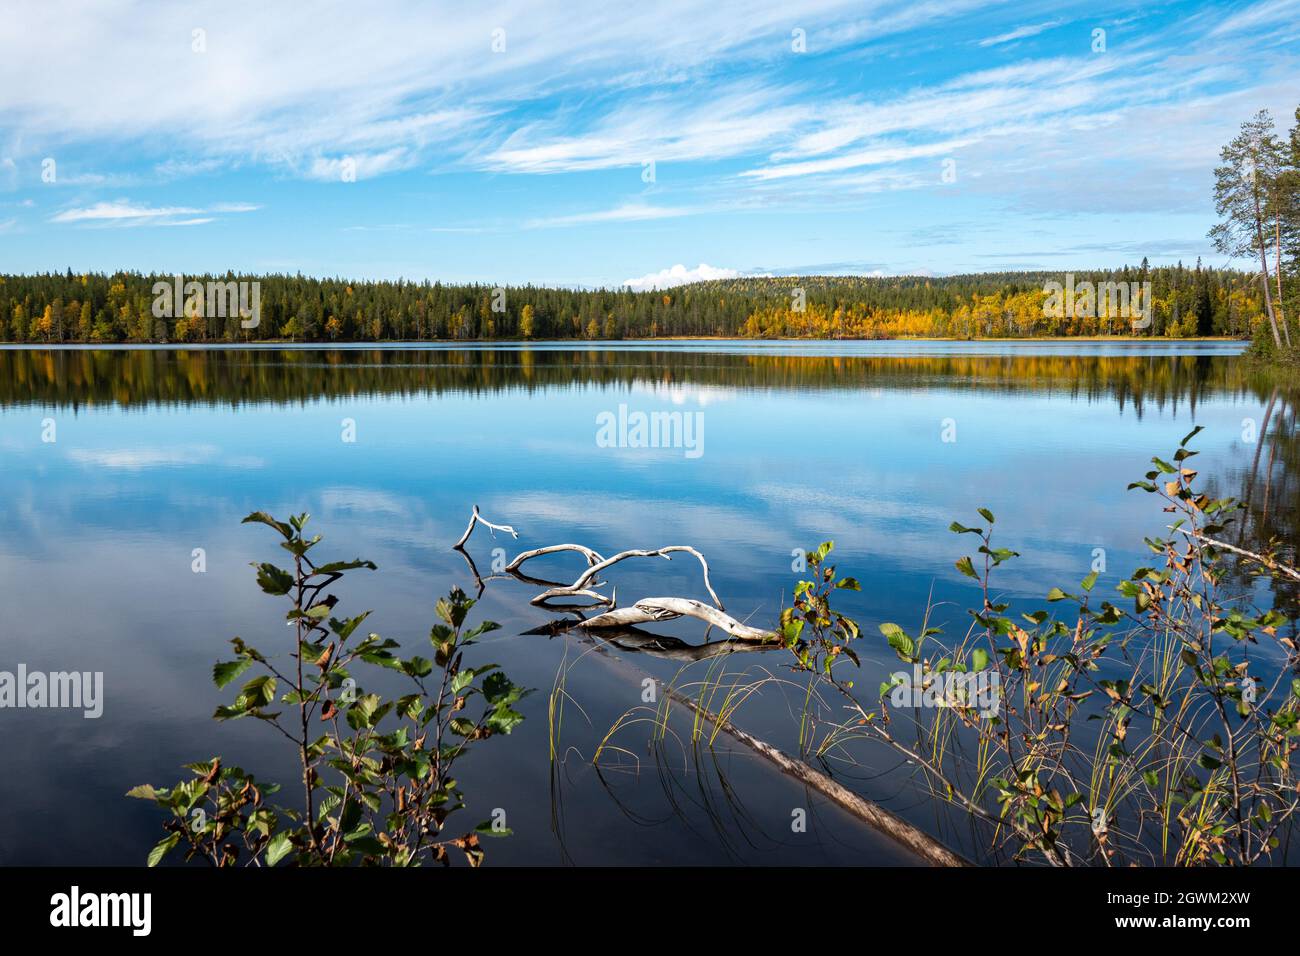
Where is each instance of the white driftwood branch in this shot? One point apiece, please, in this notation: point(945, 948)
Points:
point(597, 599)
point(649, 610)
point(643, 612)
point(592, 557)
point(477, 518)
point(592, 572)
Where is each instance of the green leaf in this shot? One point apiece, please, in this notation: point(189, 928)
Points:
point(335, 567)
point(263, 518)
point(462, 726)
point(345, 627)
point(475, 632)
point(903, 645)
point(503, 719)
point(498, 689)
point(1089, 581)
point(273, 580)
point(279, 847)
point(361, 712)
point(163, 847)
point(986, 514)
point(1056, 594)
point(979, 659)
point(418, 667)
point(258, 692)
point(226, 671)
point(965, 566)
point(367, 845)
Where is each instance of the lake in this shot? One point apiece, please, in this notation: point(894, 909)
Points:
point(119, 463)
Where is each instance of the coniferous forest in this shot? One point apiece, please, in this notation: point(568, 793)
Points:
point(124, 308)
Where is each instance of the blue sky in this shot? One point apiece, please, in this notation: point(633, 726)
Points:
point(513, 143)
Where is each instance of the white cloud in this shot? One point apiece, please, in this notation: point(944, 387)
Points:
point(124, 212)
point(679, 275)
point(662, 128)
point(1269, 12)
point(121, 209)
point(357, 167)
point(628, 212)
point(274, 84)
point(872, 109)
point(1020, 33)
point(182, 168)
point(872, 156)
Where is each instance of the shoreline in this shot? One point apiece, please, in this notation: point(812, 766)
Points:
point(598, 343)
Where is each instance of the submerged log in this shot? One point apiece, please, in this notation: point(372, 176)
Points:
point(874, 815)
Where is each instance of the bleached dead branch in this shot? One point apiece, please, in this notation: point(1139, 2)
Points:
point(477, 518)
point(592, 557)
point(644, 611)
point(649, 610)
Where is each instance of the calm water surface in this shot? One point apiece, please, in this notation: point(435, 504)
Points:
point(161, 451)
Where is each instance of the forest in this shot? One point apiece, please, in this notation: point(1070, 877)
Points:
point(126, 307)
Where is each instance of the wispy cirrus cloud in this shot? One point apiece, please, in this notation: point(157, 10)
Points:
point(1269, 13)
point(878, 155)
point(765, 121)
point(664, 128)
point(125, 213)
point(1020, 33)
point(628, 212)
point(249, 81)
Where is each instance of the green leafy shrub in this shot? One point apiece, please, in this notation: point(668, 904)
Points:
point(1160, 728)
point(377, 783)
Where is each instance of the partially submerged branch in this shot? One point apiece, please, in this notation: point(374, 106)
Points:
point(653, 609)
point(645, 611)
point(663, 646)
point(476, 518)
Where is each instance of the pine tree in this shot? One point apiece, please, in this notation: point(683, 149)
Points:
point(1241, 188)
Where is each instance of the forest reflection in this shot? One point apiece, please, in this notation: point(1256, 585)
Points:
point(1268, 484)
point(73, 377)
